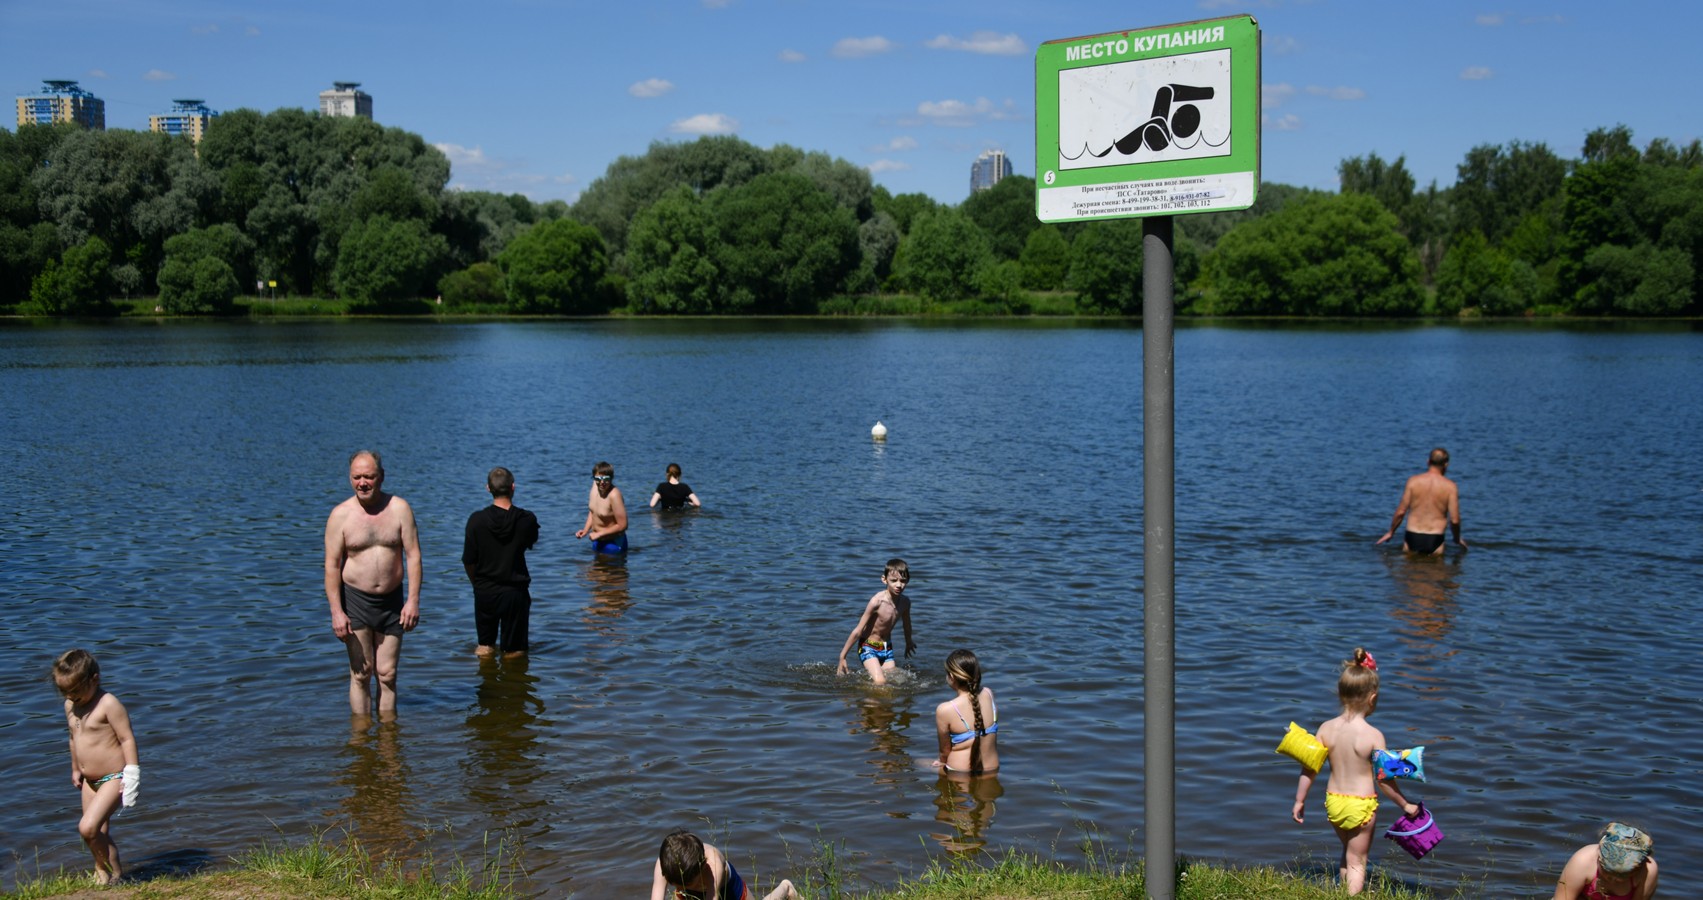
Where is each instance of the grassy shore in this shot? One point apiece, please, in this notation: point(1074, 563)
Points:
point(326, 868)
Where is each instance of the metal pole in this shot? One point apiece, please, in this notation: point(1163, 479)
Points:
point(1158, 390)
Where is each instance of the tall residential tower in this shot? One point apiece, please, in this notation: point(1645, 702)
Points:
point(62, 101)
point(345, 99)
point(988, 170)
point(189, 117)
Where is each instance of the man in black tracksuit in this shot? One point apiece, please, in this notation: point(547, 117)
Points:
point(494, 554)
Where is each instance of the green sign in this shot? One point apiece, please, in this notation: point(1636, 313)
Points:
point(1154, 122)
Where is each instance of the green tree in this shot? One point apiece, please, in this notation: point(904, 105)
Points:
point(670, 255)
point(943, 256)
point(1390, 183)
point(1640, 280)
point(783, 243)
point(1045, 259)
point(187, 286)
point(196, 285)
point(75, 284)
point(1496, 187)
point(631, 183)
point(1006, 213)
point(1328, 255)
point(555, 267)
point(1105, 265)
point(480, 284)
point(904, 208)
point(877, 241)
point(383, 260)
point(1475, 274)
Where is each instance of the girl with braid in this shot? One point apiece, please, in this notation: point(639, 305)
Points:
point(968, 724)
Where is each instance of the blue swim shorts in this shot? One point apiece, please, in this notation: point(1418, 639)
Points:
point(880, 651)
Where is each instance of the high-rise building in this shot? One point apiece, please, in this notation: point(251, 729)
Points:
point(345, 99)
point(189, 117)
point(62, 101)
point(988, 170)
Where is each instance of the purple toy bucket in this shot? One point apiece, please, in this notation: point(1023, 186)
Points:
point(1416, 834)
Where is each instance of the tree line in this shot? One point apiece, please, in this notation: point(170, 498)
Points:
point(346, 208)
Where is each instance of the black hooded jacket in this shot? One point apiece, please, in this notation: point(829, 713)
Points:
point(495, 550)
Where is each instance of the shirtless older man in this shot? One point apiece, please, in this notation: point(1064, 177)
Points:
point(1429, 501)
point(367, 538)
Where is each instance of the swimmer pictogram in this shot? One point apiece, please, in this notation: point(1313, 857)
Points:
point(1145, 110)
point(1166, 126)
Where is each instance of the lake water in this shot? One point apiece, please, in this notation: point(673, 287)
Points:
point(168, 486)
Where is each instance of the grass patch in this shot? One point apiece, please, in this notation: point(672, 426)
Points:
point(321, 868)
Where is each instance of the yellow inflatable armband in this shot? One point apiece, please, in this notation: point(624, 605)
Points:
point(1300, 745)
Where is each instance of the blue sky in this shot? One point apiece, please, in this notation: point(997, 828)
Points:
point(539, 96)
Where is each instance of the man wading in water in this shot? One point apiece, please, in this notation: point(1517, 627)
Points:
point(366, 539)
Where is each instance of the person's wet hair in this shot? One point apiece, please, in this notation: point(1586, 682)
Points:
point(673, 470)
point(1439, 457)
point(964, 670)
point(500, 482)
point(603, 468)
point(682, 857)
point(896, 565)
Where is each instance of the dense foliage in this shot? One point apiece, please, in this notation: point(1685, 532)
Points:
point(346, 208)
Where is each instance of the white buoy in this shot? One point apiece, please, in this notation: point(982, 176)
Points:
point(879, 432)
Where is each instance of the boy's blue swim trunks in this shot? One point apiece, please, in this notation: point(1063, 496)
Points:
point(881, 651)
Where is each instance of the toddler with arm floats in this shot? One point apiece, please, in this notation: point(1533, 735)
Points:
point(1351, 804)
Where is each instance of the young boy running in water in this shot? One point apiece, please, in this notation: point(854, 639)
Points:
point(1350, 804)
point(873, 635)
point(103, 756)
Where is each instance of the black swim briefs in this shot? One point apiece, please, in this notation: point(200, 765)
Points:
point(382, 614)
point(1420, 542)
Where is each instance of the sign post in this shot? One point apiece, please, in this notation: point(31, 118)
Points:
point(1148, 124)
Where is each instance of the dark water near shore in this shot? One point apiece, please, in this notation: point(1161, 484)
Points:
point(167, 488)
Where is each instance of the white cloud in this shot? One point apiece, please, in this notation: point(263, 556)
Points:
point(887, 165)
point(1286, 122)
point(958, 114)
point(1544, 20)
point(1489, 20)
point(1476, 73)
point(470, 157)
point(158, 75)
point(1280, 45)
point(204, 29)
point(651, 87)
point(858, 48)
point(900, 143)
point(1274, 95)
point(991, 43)
point(98, 73)
point(251, 31)
point(790, 55)
point(706, 123)
point(1337, 93)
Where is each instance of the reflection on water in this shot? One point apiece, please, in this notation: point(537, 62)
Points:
point(965, 802)
point(1425, 605)
point(885, 715)
point(379, 808)
point(607, 575)
point(502, 769)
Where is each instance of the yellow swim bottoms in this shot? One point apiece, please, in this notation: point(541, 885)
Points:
point(1348, 812)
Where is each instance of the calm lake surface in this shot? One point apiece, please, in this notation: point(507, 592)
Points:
point(168, 484)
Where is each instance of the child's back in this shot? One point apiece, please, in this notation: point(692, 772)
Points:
point(1351, 740)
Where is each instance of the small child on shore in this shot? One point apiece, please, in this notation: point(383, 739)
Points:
point(873, 635)
point(1351, 805)
point(694, 870)
point(103, 756)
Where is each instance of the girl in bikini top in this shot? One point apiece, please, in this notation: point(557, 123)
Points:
point(974, 748)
